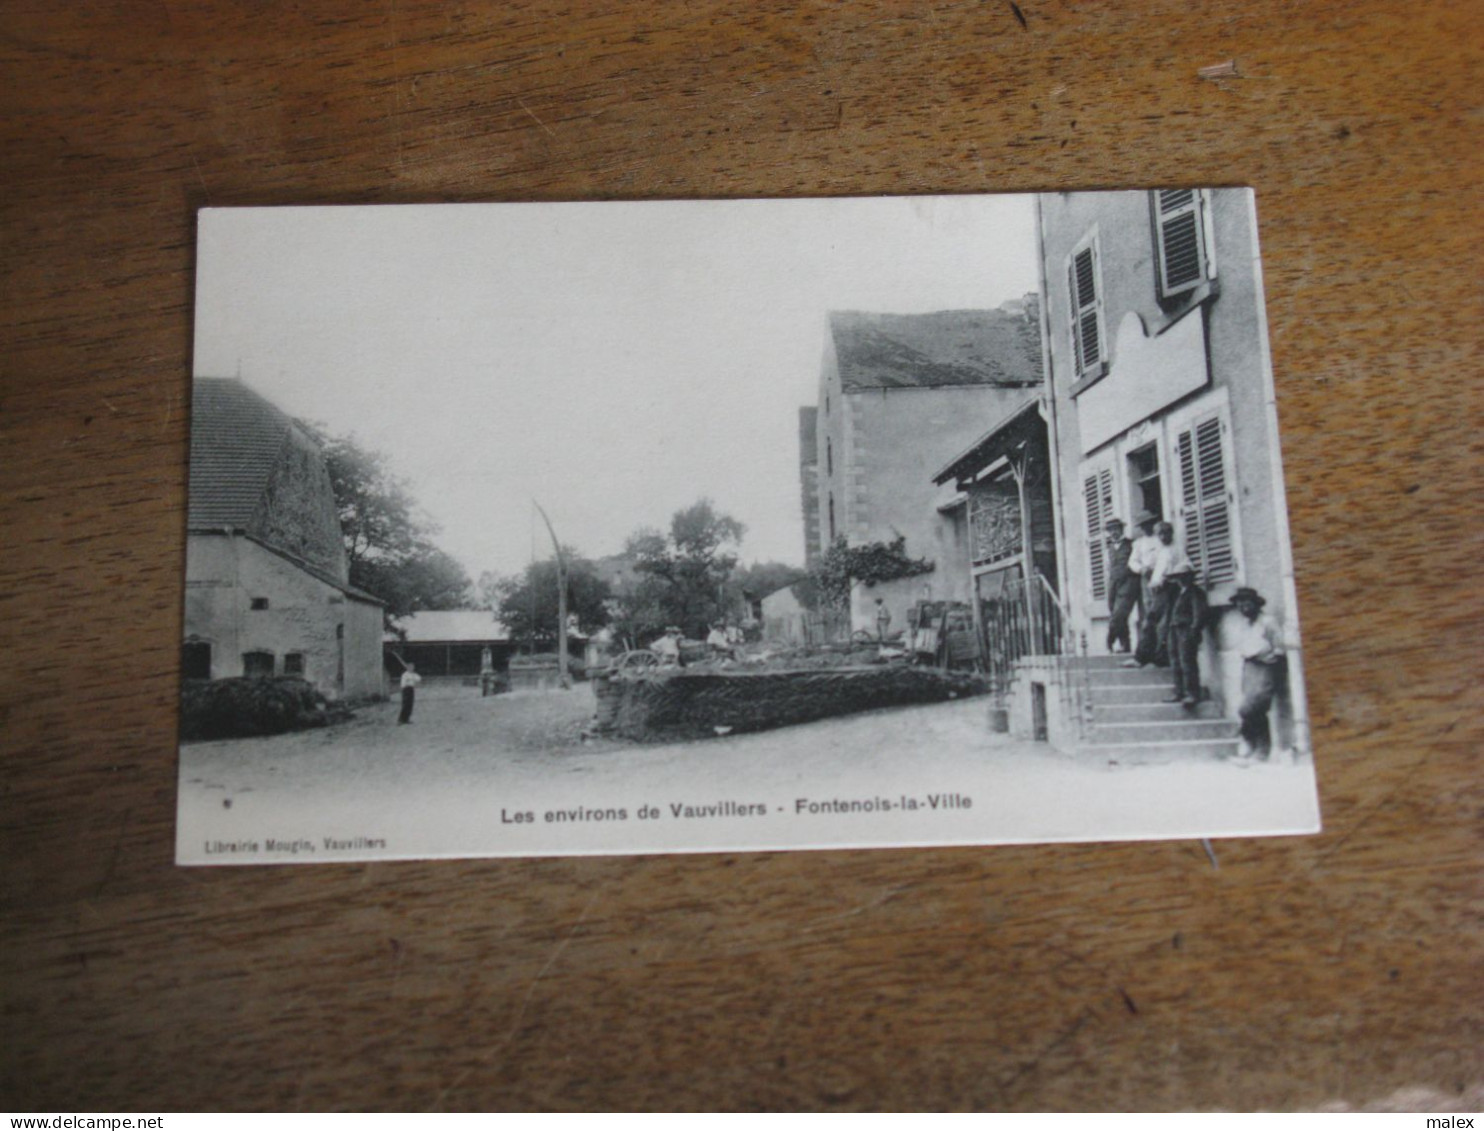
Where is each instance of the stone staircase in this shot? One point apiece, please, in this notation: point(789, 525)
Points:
point(1126, 718)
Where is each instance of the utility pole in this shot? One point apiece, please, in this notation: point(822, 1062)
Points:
point(561, 564)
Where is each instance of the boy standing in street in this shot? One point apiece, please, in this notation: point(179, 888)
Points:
point(410, 680)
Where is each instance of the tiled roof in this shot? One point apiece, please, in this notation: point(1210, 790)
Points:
point(949, 347)
point(236, 438)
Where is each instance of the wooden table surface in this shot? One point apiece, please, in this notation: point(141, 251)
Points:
point(1338, 969)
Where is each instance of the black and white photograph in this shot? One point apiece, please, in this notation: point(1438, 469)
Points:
point(695, 526)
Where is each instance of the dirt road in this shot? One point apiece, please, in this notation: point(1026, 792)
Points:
point(500, 776)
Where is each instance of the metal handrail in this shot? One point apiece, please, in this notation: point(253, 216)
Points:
point(1076, 697)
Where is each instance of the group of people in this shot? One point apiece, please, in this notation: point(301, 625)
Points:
point(724, 639)
point(1152, 575)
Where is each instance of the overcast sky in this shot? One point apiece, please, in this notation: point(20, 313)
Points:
point(614, 361)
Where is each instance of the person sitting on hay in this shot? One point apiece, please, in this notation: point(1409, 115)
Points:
point(718, 643)
point(667, 647)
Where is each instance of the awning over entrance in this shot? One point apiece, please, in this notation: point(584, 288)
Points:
point(1024, 425)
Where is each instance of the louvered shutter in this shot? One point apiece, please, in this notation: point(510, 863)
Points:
point(1086, 301)
point(1206, 504)
point(1182, 251)
point(1097, 491)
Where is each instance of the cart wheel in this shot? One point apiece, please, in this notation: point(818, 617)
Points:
point(636, 660)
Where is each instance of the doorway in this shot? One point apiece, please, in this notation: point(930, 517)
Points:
point(1143, 475)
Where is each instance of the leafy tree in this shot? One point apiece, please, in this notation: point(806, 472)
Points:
point(388, 541)
point(756, 581)
point(682, 576)
point(527, 604)
point(842, 566)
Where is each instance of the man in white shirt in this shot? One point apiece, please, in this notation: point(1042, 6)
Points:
point(1146, 543)
point(717, 643)
point(1169, 559)
point(883, 619)
point(1141, 564)
point(1166, 559)
point(410, 680)
point(1260, 644)
point(667, 647)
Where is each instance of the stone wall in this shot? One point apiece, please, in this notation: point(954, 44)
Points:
point(334, 639)
point(297, 510)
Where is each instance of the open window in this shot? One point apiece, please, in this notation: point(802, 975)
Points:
point(1143, 474)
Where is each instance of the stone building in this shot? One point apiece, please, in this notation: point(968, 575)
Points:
point(1160, 397)
point(267, 589)
point(899, 395)
point(809, 481)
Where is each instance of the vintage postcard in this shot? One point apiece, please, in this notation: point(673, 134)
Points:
point(607, 528)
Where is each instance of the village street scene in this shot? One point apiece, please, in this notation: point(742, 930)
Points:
point(709, 526)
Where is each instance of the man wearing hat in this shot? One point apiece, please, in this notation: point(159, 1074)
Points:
point(1141, 565)
point(1186, 621)
point(1158, 593)
point(1123, 586)
point(667, 647)
point(1259, 641)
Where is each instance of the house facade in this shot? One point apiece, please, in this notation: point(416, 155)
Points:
point(809, 481)
point(267, 583)
point(899, 394)
point(1160, 398)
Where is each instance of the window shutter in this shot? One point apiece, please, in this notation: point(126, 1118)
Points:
point(1082, 287)
point(1182, 253)
point(1097, 490)
point(1205, 505)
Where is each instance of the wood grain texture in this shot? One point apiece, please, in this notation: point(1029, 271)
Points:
point(1338, 968)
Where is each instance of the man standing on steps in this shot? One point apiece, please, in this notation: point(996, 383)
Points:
point(1141, 565)
point(1187, 621)
point(1167, 559)
point(1123, 586)
point(1259, 642)
point(410, 680)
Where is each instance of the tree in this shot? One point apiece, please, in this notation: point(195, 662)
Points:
point(682, 575)
point(388, 542)
point(842, 566)
point(750, 584)
point(527, 604)
point(756, 581)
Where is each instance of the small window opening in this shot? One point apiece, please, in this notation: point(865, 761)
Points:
point(257, 664)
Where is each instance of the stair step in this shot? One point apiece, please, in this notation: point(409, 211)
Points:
point(1125, 677)
point(1152, 710)
point(1181, 730)
point(1100, 663)
point(1129, 693)
point(1212, 749)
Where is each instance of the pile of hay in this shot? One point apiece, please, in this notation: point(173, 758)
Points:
point(246, 707)
point(677, 702)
